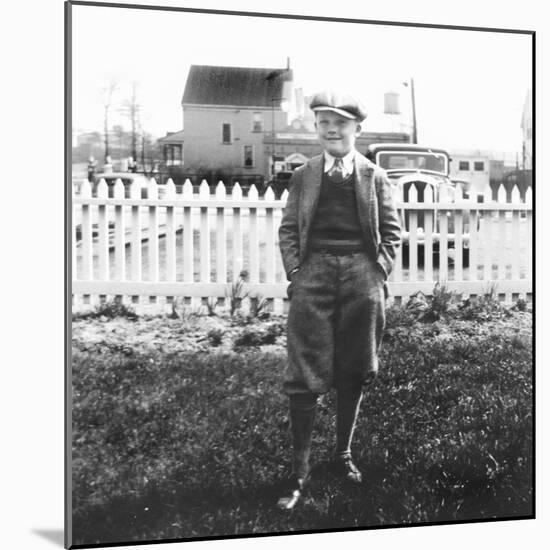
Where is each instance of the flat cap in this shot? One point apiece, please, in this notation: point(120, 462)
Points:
point(343, 104)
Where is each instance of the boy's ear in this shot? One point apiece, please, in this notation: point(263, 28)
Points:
point(358, 129)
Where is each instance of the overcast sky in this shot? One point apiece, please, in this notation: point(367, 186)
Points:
point(470, 85)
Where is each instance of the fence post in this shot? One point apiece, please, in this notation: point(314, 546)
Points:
point(397, 273)
point(86, 232)
point(502, 230)
point(428, 233)
point(238, 262)
point(136, 225)
point(473, 220)
point(153, 232)
point(103, 232)
point(458, 229)
point(170, 233)
point(221, 243)
point(120, 250)
point(188, 248)
point(515, 236)
point(204, 194)
point(413, 234)
point(443, 244)
point(253, 237)
point(269, 238)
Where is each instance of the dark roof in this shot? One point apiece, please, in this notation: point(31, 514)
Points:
point(245, 86)
point(172, 136)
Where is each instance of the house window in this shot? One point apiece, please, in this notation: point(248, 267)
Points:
point(257, 122)
point(463, 165)
point(226, 133)
point(479, 166)
point(172, 154)
point(248, 156)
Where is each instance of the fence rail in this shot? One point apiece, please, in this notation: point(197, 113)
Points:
point(193, 246)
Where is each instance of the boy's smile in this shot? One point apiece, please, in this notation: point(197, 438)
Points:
point(336, 133)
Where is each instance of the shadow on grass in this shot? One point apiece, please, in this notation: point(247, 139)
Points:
point(328, 503)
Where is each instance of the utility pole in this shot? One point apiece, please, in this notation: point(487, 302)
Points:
point(134, 109)
point(106, 131)
point(413, 101)
point(276, 95)
point(414, 132)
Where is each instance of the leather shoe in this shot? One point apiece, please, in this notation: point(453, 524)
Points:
point(345, 467)
point(292, 491)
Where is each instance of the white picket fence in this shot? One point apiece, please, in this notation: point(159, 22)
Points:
point(192, 246)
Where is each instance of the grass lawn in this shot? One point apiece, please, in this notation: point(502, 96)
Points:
point(180, 429)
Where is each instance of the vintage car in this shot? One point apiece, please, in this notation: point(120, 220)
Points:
point(280, 182)
point(426, 168)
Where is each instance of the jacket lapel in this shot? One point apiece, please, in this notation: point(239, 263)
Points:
point(366, 196)
point(311, 192)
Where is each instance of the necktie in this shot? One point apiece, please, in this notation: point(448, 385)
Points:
point(336, 173)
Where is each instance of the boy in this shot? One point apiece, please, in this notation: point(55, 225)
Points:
point(338, 239)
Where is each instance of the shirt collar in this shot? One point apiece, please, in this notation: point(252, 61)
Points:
point(347, 161)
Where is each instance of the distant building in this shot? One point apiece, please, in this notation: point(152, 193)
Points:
point(227, 112)
point(243, 123)
point(472, 167)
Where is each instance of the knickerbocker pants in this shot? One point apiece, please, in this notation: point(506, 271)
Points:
point(335, 322)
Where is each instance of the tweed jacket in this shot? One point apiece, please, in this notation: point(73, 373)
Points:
point(376, 211)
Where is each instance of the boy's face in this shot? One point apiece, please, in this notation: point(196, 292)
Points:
point(336, 133)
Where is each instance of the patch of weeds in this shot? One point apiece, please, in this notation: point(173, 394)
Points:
point(256, 335)
point(249, 337)
point(520, 342)
point(520, 305)
point(483, 308)
point(397, 316)
point(215, 336)
point(174, 313)
point(189, 317)
point(239, 319)
point(237, 292)
point(110, 309)
point(211, 305)
point(258, 307)
point(441, 304)
point(272, 332)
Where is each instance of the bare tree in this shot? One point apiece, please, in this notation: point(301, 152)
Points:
point(131, 108)
point(107, 99)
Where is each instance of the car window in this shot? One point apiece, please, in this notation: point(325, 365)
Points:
point(395, 160)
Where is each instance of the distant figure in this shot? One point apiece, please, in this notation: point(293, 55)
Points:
point(92, 165)
point(108, 167)
point(132, 165)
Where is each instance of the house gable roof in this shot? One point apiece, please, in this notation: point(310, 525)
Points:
point(242, 86)
point(172, 137)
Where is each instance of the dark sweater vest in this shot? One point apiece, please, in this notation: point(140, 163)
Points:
point(336, 221)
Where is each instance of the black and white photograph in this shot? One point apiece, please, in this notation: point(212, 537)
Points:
point(299, 270)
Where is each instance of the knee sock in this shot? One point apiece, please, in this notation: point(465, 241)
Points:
point(302, 417)
point(348, 401)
